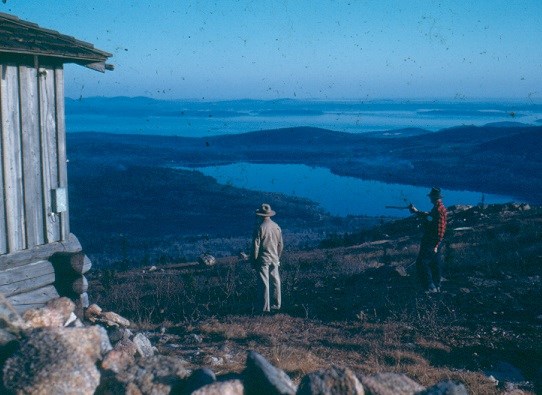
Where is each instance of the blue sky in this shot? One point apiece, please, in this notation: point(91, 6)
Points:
point(317, 49)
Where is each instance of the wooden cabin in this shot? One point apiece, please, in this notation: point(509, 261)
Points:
point(39, 258)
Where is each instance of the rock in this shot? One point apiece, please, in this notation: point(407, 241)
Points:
point(390, 384)
point(77, 324)
point(71, 321)
point(6, 337)
point(55, 360)
point(92, 312)
point(243, 256)
point(333, 380)
point(143, 345)
point(199, 378)
point(513, 389)
point(195, 338)
point(264, 378)
point(10, 320)
point(105, 344)
point(157, 375)
point(117, 333)
point(54, 314)
point(214, 361)
point(122, 355)
point(503, 371)
point(229, 387)
point(206, 260)
point(445, 388)
point(113, 319)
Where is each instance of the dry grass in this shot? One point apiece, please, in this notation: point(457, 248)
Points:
point(355, 306)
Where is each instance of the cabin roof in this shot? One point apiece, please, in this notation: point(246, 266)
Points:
point(25, 38)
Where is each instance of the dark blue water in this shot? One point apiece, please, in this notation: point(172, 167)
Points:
point(338, 195)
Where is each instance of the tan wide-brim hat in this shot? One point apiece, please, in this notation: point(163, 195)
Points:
point(265, 211)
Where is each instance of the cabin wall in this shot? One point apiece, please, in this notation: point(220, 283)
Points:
point(33, 174)
point(34, 222)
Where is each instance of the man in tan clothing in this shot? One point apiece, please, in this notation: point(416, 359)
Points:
point(266, 251)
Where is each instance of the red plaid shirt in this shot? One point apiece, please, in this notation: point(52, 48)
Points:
point(436, 225)
point(442, 218)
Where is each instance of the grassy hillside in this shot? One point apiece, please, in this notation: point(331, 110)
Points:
point(355, 302)
point(134, 215)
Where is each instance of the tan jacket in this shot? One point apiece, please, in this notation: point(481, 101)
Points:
point(267, 243)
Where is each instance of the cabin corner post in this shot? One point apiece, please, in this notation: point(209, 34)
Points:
point(70, 279)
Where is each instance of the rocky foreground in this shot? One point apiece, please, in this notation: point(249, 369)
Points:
point(51, 351)
point(353, 321)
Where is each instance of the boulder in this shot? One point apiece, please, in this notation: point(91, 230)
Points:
point(92, 312)
point(143, 345)
point(333, 380)
point(116, 334)
point(261, 377)
point(105, 344)
point(445, 388)
point(390, 384)
point(56, 313)
point(10, 320)
point(55, 360)
point(199, 378)
point(206, 260)
point(113, 319)
point(6, 337)
point(157, 375)
point(120, 357)
point(229, 387)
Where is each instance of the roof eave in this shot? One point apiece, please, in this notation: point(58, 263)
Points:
point(91, 62)
point(98, 66)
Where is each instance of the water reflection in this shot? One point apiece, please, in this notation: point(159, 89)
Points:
point(339, 195)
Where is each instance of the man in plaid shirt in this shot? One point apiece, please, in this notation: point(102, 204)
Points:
point(430, 260)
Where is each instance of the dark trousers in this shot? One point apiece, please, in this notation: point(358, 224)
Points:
point(429, 266)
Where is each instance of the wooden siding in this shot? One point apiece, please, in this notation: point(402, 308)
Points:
point(33, 156)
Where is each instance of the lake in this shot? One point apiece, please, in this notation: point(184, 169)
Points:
point(340, 196)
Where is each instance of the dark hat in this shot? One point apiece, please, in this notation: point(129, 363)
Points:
point(265, 211)
point(435, 193)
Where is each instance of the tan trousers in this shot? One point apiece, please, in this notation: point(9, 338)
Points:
point(269, 287)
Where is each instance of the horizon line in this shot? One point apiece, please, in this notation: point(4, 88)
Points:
point(334, 100)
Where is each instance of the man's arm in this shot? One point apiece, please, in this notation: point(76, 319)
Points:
point(255, 245)
point(414, 210)
point(280, 245)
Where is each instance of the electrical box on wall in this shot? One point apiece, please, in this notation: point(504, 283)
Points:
point(59, 200)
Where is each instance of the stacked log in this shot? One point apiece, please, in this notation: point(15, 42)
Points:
point(28, 277)
point(70, 269)
point(29, 286)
